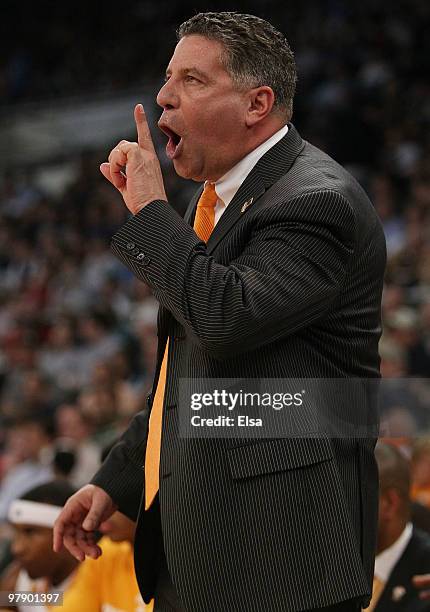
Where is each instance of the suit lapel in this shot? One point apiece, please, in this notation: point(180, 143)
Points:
point(269, 169)
point(392, 596)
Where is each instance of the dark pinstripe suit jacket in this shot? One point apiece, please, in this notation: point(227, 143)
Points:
point(290, 287)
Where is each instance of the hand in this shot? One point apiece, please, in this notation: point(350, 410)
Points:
point(422, 582)
point(82, 514)
point(144, 182)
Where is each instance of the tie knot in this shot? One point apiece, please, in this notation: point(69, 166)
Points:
point(209, 197)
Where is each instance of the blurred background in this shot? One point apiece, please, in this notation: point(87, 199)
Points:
point(77, 331)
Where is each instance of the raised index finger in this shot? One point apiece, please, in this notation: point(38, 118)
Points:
point(144, 138)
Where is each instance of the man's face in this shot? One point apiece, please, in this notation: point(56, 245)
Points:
point(28, 439)
point(32, 548)
point(204, 112)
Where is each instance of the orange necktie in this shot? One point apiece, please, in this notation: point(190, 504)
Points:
point(204, 223)
point(378, 587)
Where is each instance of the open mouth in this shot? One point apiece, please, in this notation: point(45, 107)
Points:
point(174, 144)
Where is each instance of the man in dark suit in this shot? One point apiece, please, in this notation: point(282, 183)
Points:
point(275, 273)
point(402, 549)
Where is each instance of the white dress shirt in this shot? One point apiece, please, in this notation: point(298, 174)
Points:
point(388, 558)
point(227, 186)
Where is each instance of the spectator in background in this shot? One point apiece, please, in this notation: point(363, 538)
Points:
point(383, 196)
point(420, 471)
point(28, 455)
point(60, 359)
point(98, 406)
point(75, 429)
point(63, 461)
point(419, 354)
point(100, 339)
point(130, 388)
point(27, 389)
point(37, 568)
point(402, 550)
point(398, 427)
point(99, 264)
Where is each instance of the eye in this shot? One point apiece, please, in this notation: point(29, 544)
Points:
point(29, 531)
point(190, 78)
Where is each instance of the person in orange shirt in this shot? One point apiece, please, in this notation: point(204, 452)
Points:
point(403, 551)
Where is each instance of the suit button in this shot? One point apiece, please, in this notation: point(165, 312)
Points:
point(141, 256)
point(130, 246)
point(166, 475)
point(135, 251)
point(144, 261)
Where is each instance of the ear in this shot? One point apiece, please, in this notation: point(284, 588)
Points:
point(260, 104)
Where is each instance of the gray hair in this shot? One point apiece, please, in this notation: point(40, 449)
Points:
point(255, 53)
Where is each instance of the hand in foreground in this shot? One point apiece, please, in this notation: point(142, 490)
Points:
point(82, 514)
point(144, 182)
point(422, 583)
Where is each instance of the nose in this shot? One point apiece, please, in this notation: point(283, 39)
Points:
point(167, 97)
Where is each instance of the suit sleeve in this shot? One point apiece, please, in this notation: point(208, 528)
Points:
point(289, 272)
point(122, 473)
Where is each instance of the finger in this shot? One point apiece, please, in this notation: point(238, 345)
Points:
point(422, 580)
point(117, 161)
point(87, 544)
point(70, 542)
point(144, 137)
point(105, 527)
point(105, 170)
point(58, 534)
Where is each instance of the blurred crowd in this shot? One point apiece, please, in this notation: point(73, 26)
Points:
point(78, 332)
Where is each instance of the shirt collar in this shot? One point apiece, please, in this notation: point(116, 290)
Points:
point(388, 558)
point(227, 186)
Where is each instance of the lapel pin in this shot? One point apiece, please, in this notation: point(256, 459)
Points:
point(398, 593)
point(246, 205)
